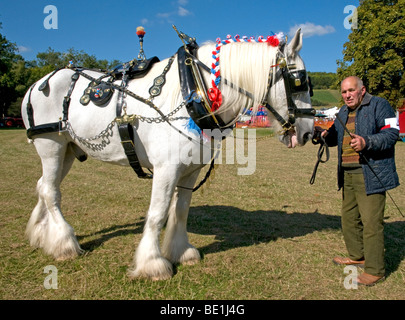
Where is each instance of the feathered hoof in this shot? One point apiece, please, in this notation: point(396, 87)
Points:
point(70, 255)
point(190, 257)
point(65, 250)
point(154, 269)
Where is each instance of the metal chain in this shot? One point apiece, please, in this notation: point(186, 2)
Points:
point(105, 134)
point(162, 118)
point(108, 132)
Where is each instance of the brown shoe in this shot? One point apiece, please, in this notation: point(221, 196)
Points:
point(369, 280)
point(347, 262)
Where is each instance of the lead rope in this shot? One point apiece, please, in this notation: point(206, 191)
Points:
point(207, 175)
point(322, 148)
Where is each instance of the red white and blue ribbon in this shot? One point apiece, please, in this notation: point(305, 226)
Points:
point(214, 94)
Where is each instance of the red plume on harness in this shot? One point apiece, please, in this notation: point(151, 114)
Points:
point(140, 31)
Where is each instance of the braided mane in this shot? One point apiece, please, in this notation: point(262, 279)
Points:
point(246, 65)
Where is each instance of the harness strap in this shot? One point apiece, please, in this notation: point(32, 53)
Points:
point(54, 126)
point(284, 124)
point(43, 128)
point(124, 83)
point(207, 175)
point(126, 132)
point(45, 85)
point(66, 100)
point(30, 110)
point(290, 102)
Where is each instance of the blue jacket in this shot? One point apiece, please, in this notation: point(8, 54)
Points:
point(380, 143)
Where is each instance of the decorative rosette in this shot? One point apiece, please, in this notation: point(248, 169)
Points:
point(215, 96)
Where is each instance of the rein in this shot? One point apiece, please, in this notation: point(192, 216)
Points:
point(322, 148)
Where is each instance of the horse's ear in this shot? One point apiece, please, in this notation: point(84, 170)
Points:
point(296, 43)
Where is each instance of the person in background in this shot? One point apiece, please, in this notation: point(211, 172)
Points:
point(374, 132)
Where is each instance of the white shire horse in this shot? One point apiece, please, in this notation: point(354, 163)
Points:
point(252, 73)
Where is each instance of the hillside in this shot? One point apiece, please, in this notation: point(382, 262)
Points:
point(326, 98)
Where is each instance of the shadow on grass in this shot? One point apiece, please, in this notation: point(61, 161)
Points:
point(109, 233)
point(394, 245)
point(234, 228)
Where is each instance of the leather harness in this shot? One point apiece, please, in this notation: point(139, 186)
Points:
point(193, 91)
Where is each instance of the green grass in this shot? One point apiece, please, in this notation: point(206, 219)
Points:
point(327, 98)
point(270, 235)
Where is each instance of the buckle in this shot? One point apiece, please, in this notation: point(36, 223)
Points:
point(62, 126)
point(128, 141)
point(286, 127)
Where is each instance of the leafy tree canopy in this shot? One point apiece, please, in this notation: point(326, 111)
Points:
point(323, 80)
point(375, 51)
point(17, 75)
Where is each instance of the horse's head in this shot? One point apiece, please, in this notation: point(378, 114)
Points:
point(289, 95)
point(270, 74)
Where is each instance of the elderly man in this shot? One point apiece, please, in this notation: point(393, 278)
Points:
point(373, 129)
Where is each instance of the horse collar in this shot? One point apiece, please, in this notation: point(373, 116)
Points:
point(194, 92)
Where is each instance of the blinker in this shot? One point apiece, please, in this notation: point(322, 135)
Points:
point(298, 81)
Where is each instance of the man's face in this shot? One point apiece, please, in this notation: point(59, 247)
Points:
point(351, 93)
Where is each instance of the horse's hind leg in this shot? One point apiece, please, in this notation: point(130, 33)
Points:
point(176, 247)
point(46, 227)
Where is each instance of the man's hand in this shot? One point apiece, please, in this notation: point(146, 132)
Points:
point(357, 143)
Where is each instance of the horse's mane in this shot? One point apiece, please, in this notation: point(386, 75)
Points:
point(246, 65)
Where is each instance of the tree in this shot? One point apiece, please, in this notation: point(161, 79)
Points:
point(79, 58)
point(8, 57)
point(323, 80)
point(376, 49)
point(50, 58)
point(17, 75)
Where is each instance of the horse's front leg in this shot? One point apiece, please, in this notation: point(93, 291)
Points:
point(176, 246)
point(148, 260)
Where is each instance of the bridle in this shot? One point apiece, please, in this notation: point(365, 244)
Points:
point(295, 81)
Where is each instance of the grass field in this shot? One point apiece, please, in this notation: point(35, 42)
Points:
point(267, 236)
point(328, 98)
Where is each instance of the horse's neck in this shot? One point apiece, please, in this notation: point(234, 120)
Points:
point(246, 66)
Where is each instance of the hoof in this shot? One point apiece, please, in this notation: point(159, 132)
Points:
point(156, 269)
point(69, 256)
point(65, 250)
point(190, 257)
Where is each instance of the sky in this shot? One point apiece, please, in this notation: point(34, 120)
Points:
point(107, 29)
